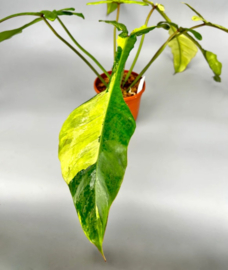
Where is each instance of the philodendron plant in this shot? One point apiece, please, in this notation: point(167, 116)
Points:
point(94, 138)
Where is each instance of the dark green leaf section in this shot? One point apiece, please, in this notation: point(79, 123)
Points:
point(111, 7)
point(169, 23)
point(195, 33)
point(119, 26)
point(144, 29)
point(96, 184)
point(10, 33)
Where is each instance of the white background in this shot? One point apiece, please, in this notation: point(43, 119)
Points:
point(172, 210)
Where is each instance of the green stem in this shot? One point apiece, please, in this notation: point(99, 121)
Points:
point(193, 27)
point(159, 51)
point(73, 49)
point(80, 47)
point(114, 32)
point(139, 48)
point(212, 25)
point(21, 14)
point(163, 15)
point(174, 35)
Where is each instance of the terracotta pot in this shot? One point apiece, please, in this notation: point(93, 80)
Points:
point(133, 102)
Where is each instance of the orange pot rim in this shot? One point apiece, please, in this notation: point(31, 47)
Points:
point(138, 95)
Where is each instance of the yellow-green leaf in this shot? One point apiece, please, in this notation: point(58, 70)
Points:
point(183, 50)
point(197, 18)
point(161, 7)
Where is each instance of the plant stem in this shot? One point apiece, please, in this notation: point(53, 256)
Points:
point(73, 49)
point(80, 47)
point(215, 26)
point(174, 35)
point(21, 14)
point(159, 51)
point(139, 48)
point(193, 27)
point(163, 15)
point(114, 32)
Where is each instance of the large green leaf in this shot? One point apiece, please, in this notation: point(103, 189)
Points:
point(10, 33)
point(183, 50)
point(93, 150)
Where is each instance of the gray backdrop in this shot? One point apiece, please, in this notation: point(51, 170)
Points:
point(171, 211)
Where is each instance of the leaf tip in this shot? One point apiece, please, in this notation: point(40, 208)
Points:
point(100, 248)
point(103, 257)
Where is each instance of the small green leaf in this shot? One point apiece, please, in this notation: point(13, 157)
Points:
point(195, 33)
point(71, 9)
point(197, 18)
point(214, 64)
point(79, 15)
point(111, 7)
point(10, 33)
point(119, 26)
point(50, 15)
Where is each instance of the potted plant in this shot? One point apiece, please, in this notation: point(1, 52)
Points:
point(94, 138)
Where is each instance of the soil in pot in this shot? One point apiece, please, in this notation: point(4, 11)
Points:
point(133, 91)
